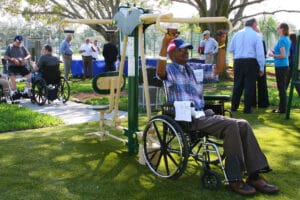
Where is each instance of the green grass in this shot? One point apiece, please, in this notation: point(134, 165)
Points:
point(63, 163)
point(60, 162)
point(14, 117)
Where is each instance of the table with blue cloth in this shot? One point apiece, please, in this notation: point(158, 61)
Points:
point(99, 66)
point(77, 67)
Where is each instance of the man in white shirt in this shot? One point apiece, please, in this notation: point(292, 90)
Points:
point(210, 46)
point(96, 46)
point(86, 51)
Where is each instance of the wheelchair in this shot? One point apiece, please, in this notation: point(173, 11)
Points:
point(50, 87)
point(168, 145)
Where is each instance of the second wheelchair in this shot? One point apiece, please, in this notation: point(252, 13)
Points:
point(49, 89)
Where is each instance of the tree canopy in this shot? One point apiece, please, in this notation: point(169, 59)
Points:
point(51, 11)
point(232, 9)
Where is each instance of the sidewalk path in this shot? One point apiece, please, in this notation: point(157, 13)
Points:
point(70, 112)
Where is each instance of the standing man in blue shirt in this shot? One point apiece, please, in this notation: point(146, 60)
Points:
point(66, 51)
point(249, 60)
point(210, 46)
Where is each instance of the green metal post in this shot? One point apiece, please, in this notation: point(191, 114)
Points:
point(133, 101)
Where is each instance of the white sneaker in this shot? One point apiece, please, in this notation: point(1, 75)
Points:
point(26, 90)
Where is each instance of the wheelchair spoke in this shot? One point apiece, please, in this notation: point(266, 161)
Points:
point(166, 164)
point(158, 134)
point(173, 160)
point(158, 161)
point(165, 150)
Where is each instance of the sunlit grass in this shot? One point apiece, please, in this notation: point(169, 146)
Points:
point(63, 163)
point(14, 117)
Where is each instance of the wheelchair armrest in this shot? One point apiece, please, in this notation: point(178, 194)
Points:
point(223, 98)
point(169, 109)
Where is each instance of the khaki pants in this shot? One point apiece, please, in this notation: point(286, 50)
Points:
point(209, 59)
point(239, 140)
point(67, 65)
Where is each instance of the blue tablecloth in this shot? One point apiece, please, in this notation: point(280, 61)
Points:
point(77, 67)
point(99, 67)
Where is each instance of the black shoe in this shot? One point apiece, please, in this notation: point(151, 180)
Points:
point(277, 111)
point(16, 95)
point(263, 186)
point(232, 109)
point(247, 111)
point(242, 188)
point(25, 96)
point(264, 106)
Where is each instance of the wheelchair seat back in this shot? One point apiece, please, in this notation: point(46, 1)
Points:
point(4, 64)
point(51, 74)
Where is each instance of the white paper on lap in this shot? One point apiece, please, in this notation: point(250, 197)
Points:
point(183, 111)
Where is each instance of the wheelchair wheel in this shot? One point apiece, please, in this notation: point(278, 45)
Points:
point(165, 147)
point(63, 90)
point(39, 91)
point(210, 180)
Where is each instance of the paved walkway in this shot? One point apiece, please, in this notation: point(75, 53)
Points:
point(70, 113)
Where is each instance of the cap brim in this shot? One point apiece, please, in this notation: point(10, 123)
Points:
point(186, 45)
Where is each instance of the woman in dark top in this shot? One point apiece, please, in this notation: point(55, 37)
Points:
point(292, 61)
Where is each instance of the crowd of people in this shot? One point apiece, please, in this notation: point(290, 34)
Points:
point(89, 52)
point(249, 54)
point(17, 61)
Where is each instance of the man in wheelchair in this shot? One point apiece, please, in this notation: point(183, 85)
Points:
point(242, 151)
point(48, 66)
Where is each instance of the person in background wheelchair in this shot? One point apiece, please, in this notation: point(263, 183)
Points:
point(48, 66)
point(4, 89)
point(242, 151)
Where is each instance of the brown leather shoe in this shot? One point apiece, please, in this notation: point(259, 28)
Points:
point(261, 185)
point(242, 188)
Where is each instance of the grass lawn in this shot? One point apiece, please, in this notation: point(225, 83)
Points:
point(60, 162)
point(14, 117)
point(63, 163)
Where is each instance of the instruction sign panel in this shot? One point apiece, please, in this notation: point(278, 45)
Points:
point(131, 58)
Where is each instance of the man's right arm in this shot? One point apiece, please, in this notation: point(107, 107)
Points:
point(63, 48)
point(162, 61)
point(260, 56)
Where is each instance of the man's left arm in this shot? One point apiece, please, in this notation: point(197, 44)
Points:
point(260, 56)
point(216, 46)
point(27, 56)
